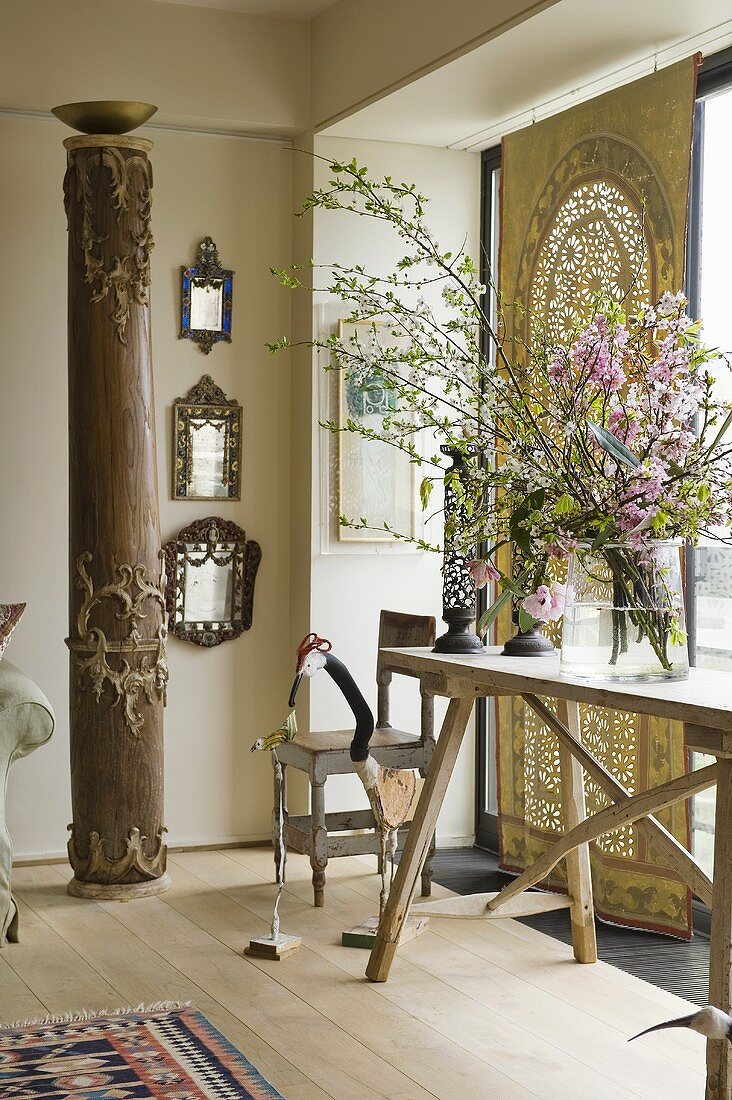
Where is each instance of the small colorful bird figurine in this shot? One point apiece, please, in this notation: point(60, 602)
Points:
point(286, 732)
point(710, 1022)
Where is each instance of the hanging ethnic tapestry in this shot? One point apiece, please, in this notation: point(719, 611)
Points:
point(595, 198)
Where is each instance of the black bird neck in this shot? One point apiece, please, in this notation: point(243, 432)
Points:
point(359, 707)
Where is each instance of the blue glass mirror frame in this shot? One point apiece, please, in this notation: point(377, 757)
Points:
point(205, 276)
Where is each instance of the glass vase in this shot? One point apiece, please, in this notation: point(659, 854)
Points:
point(624, 614)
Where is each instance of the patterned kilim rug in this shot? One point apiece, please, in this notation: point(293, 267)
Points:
point(165, 1052)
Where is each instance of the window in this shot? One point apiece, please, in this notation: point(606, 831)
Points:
point(486, 801)
point(709, 579)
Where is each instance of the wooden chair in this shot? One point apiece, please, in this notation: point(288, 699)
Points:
point(322, 835)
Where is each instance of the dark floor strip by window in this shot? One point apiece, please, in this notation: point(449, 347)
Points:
point(674, 965)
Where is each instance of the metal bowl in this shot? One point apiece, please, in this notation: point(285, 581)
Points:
point(104, 116)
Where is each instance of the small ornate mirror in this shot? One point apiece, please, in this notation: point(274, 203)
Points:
point(211, 569)
point(207, 442)
point(206, 299)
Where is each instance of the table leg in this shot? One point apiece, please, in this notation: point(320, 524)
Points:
point(719, 1054)
point(419, 838)
point(671, 851)
point(318, 834)
point(579, 877)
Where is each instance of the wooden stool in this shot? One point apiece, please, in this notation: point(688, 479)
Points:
point(326, 753)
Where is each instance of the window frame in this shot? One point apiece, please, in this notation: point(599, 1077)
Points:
point(715, 75)
point(486, 822)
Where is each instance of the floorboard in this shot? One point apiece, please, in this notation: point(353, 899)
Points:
point(141, 975)
point(473, 1011)
point(678, 966)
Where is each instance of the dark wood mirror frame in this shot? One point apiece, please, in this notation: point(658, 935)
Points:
point(224, 545)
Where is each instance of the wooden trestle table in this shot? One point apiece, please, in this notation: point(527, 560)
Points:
point(703, 703)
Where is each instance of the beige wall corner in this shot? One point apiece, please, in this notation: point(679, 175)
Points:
point(301, 403)
point(362, 51)
point(302, 412)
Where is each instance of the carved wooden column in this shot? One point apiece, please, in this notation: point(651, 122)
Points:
point(116, 606)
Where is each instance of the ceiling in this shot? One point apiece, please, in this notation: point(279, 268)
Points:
point(569, 52)
point(287, 9)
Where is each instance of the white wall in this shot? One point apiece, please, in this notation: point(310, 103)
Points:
point(34, 458)
point(360, 52)
point(349, 589)
point(220, 700)
point(203, 67)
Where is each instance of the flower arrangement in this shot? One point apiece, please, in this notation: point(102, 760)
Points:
point(598, 441)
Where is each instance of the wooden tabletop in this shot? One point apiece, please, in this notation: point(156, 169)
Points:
point(705, 699)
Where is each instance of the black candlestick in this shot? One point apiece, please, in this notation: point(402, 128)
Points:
point(458, 588)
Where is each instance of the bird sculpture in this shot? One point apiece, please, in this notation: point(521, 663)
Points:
point(710, 1022)
point(390, 791)
point(277, 945)
point(286, 732)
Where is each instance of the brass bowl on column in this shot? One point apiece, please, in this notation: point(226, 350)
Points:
point(117, 615)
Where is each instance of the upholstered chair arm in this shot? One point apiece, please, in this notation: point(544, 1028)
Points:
point(26, 722)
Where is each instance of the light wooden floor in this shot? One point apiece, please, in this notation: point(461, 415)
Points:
point(472, 1011)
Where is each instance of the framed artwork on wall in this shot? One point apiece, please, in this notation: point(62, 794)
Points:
point(207, 444)
point(373, 480)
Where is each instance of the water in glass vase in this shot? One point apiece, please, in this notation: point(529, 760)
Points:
point(624, 616)
point(603, 643)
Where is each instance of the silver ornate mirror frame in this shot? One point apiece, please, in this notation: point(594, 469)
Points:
point(207, 444)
